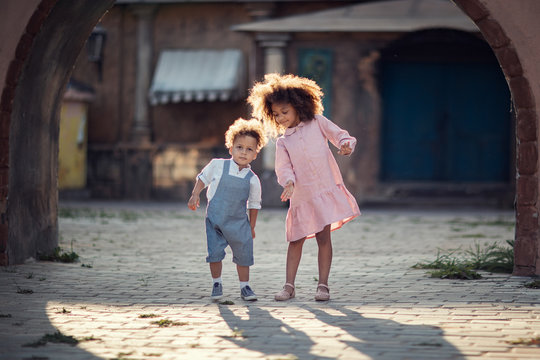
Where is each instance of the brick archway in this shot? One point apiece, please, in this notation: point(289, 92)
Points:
point(526, 205)
point(29, 105)
point(43, 59)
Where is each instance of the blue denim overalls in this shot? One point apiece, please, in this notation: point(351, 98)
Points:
point(227, 222)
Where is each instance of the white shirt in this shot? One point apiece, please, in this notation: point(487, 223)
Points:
point(211, 175)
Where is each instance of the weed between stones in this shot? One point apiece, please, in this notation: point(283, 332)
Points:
point(457, 264)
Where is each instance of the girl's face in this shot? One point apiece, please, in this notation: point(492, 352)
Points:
point(285, 115)
point(244, 150)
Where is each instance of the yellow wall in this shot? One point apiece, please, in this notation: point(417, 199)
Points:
point(72, 144)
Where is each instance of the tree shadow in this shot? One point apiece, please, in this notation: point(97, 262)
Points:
point(264, 333)
point(384, 339)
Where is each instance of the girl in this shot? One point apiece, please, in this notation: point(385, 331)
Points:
point(291, 106)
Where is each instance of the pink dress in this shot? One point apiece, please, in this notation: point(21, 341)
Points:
point(319, 197)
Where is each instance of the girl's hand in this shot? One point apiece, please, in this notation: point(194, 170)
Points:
point(287, 191)
point(345, 149)
point(194, 202)
point(253, 233)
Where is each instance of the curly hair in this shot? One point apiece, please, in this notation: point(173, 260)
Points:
point(303, 94)
point(242, 127)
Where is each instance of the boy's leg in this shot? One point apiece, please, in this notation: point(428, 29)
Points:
point(215, 269)
point(217, 287)
point(243, 273)
point(324, 242)
point(245, 290)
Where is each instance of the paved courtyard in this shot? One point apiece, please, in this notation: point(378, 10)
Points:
point(141, 291)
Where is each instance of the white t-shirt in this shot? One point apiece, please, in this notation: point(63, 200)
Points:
point(211, 175)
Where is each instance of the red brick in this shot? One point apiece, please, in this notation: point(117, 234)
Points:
point(509, 61)
point(47, 5)
point(526, 221)
point(6, 100)
point(527, 190)
point(14, 72)
point(521, 93)
point(23, 47)
point(4, 152)
point(4, 176)
point(3, 259)
point(527, 158)
point(474, 9)
point(493, 33)
point(525, 251)
point(3, 237)
point(36, 21)
point(527, 125)
point(3, 198)
point(5, 119)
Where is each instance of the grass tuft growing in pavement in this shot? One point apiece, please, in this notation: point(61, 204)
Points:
point(237, 333)
point(59, 255)
point(529, 342)
point(24, 291)
point(147, 316)
point(167, 323)
point(457, 264)
point(57, 337)
point(535, 284)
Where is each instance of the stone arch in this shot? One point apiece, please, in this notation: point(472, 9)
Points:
point(31, 96)
point(36, 78)
point(526, 205)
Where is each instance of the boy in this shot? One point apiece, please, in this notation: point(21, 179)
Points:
point(233, 190)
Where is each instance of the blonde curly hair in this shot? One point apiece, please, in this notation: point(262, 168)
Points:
point(303, 94)
point(242, 127)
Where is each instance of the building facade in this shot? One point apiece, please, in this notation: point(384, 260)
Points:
point(401, 76)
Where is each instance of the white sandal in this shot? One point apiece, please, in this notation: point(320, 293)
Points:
point(322, 295)
point(284, 295)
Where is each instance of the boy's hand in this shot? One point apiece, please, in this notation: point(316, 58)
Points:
point(345, 149)
point(194, 202)
point(253, 233)
point(287, 191)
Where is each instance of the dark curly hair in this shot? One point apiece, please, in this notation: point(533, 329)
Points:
point(303, 94)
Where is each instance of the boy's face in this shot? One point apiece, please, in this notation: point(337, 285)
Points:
point(285, 115)
point(244, 150)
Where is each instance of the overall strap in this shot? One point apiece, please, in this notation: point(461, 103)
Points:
point(226, 167)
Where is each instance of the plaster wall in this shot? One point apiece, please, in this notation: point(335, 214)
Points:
point(12, 28)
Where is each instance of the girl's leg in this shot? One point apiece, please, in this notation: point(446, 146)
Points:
point(294, 254)
point(324, 242)
point(215, 269)
point(243, 273)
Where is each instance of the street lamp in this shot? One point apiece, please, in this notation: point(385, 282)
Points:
point(95, 46)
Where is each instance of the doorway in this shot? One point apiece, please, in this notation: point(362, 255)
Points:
point(446, 111)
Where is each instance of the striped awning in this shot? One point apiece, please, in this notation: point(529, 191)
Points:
point(197, 75)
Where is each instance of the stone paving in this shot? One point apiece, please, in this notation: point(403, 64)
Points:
point(142, 266)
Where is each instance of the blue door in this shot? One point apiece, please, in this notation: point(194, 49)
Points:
point(445, 122)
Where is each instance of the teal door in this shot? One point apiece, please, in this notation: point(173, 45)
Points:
point(445, 122)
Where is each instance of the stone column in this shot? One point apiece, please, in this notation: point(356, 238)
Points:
point(274, 62)
point(138, 152)
point(140, 131)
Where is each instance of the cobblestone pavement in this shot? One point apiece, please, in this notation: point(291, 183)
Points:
point(142, 266)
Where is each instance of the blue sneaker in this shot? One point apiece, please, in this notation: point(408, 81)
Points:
point(247, 294)
point(217, 291)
